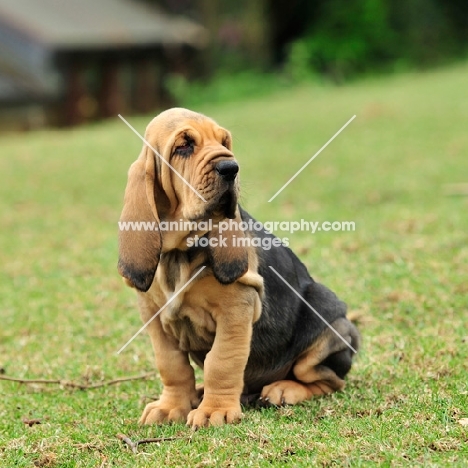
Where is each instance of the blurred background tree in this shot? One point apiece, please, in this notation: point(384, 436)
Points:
point(141, 56)
point(335, 38)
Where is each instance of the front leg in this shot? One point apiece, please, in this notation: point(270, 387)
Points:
point(224, 369)
point(178, 396)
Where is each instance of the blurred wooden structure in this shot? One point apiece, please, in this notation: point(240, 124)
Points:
point(65, 63)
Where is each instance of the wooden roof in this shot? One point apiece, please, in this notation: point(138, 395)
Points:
point(90, 24)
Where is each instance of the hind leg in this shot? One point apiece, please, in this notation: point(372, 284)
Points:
point(320, 370)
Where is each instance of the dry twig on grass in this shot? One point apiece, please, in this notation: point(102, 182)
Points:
point(134, 445)
point(31, 422)
point(79, 386)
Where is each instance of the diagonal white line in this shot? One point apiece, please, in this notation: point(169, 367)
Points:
point(312, 158)
point(313, 310)
point(161, 309)
point(160, 157)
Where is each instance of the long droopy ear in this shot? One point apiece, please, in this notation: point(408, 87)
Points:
point(229, 257)
point(140, 240)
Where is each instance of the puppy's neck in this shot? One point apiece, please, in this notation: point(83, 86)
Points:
point(176, 233)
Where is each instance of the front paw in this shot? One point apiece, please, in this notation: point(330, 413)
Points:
point(206, 415)
point(159, 412)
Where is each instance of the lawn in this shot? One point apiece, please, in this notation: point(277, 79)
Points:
point(403, 272)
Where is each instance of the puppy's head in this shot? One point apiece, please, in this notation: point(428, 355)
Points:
point(197, 169)
point(185, 171)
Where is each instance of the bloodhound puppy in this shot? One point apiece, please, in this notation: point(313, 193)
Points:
point(252, 318)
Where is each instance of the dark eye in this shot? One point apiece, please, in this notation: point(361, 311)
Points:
point(186, 149)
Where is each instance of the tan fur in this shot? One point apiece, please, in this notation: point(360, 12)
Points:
point(206, 315)
point(198, 317)
point(313, 378)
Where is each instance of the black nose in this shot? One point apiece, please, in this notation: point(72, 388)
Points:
point(227, 169)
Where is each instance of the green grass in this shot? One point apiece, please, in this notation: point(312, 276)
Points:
point(65, 312)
